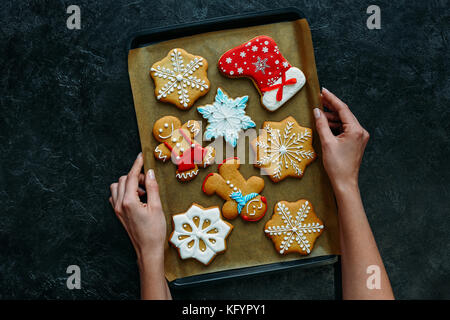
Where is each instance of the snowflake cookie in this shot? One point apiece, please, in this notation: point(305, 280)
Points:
point(178, 144)
point(200, 233)
point(226, 117)
point(283, 149)
point(294, 227)
point(261, 60)
point(242, 196)
point(180, 78)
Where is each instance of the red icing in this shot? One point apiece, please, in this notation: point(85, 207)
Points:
point(240, 62)
point(190, 157)
point(204, 181)
point(218, 167)
point(280, 86)
point(247, 218)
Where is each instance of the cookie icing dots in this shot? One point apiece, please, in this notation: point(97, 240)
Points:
point(261, 60)
point(283, 149)
point(294, 227)
point(180, 78)
point(200, 233)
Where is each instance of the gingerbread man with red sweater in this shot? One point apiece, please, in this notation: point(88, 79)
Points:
point(179, 145)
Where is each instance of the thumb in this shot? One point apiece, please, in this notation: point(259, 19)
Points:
point(153, 199)
point(322, 127)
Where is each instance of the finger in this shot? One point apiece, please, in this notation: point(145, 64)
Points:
point(332, 116)
point(335, 104)
point(113, 188)
point(120, 193)
point(141, 192)
point(153, 199)
point(142, 179)
point(322, 127)
point(132, 185)
point(334, 125)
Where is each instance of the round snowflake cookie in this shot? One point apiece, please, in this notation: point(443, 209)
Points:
point(294, 227)
point(261, 60)
point(180, 78)
point(283, 149)
point(200, 233)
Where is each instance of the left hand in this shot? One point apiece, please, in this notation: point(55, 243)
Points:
point(145, 223)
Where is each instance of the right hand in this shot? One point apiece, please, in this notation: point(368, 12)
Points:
point(342, 154)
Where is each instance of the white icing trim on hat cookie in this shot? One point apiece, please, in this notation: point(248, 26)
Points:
point(213, 235)
point(269, 98)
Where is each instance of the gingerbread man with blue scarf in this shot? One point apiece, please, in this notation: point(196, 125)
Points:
point(242, 196)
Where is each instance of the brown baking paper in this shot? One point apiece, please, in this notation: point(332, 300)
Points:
point(247, 244)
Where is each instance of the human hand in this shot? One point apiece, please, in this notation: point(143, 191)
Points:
point(342, 154)
point(145, 223)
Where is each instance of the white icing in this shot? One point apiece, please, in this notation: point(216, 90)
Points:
point(293, 227)
point(253, 208)
point(283, 149)
point(187, 174)
point(160, 154)
point(208, 157)
point(269, 98)
point(180, 78)
point(191, 125)
point(214, 242)
point(261, 65)
point(169, 135)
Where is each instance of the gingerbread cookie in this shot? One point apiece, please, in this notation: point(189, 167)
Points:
point(180, 78)
point(283, 149)
point(260, 59)
point(179, 145)
point(199, 233)
point(226, 117)
point(294, 227)
point(242, 196)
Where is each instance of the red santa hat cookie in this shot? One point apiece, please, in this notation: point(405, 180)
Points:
point(261, 60)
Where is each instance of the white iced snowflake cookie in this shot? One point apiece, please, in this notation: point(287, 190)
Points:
point(261, 60)
point(180, 78)
point(226, 117)
point(200, 233)
point(283, 149)
point(294, 227)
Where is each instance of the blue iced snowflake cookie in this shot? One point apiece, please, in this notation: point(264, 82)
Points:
point(226, 117)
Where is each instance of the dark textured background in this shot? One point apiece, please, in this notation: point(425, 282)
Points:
point(68, 130)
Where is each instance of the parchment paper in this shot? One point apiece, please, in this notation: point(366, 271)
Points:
point(247, 244)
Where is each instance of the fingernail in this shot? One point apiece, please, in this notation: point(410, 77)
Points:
point(151, 174)
point(316, 113)
point(325, 89)
point(139, 155)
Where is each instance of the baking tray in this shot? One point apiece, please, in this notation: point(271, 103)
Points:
point(155, 35)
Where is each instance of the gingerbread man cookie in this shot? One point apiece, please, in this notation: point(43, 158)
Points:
point(200, 233)
point(180, 78)
point(294, 227)
point(179, 145)
point(260, 59)
point(241, 195)
point(283, 149)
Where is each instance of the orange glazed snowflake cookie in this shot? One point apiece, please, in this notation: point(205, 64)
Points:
point(180, 78)
point(294, 227)
point(283, 149)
